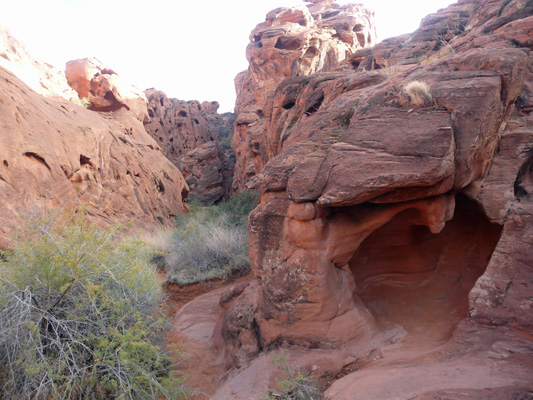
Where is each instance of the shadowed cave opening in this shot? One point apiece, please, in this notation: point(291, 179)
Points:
point(410, 277)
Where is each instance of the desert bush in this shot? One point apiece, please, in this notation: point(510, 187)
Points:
point(419, 94)
point(295, 385)
point(160, 242)
point(211, 242)
point(82, 101)
point(80, 317)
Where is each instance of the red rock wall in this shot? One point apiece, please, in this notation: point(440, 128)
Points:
point(349, 160)
point(292, 42)
point(189, 133)
point(57, 155)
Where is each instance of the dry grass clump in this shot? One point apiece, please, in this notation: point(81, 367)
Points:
point(211, 242)
point(419, 94)
point(160, 241)
point(295, 385)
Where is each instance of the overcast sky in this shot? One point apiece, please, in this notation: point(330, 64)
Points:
point(190, 49)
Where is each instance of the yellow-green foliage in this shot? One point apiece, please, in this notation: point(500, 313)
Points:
point(419, 94)
point(79, 316)
point(81, 101)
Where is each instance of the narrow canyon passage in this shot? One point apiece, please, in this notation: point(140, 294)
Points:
point(410, 277)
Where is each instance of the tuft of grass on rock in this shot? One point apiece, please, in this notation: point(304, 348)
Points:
point(419, 93)
point(295, 385)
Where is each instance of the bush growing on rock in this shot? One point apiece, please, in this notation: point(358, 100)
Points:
point(79, 317)
point(211, 242)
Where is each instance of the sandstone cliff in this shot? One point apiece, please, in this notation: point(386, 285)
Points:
point(189, 132)
point(393, 241)
point(292, 42)
point(56, 154)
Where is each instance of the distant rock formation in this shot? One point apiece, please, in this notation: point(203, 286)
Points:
point(55, 154)
point(190, 134)
point(292, 42)
point(395, 223)
point(104, 88)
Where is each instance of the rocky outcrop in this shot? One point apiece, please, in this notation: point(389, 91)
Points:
point(190, 135)
point(55, 154)
point(39, 76)
point(292, 42)
point(104, 89)
point(394, 224)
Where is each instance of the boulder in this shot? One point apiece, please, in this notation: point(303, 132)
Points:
point(104, 88)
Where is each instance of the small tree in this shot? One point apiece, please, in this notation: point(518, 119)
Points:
point(79, 316)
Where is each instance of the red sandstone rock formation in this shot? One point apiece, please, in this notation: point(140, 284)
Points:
point(394, 238)
point(40, 76)
point(189, 133)
point(292, 42)
point(55, 154)
point(104, 88)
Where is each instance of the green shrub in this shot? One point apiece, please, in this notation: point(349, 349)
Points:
point(211, 242)
point(296, 385)
point(225, 141)
point(80, 318)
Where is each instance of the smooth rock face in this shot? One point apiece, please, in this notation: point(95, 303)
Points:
point(58, 155)
point(292, 42)
point(38, 75)
point(392, 228)
point(189, 133)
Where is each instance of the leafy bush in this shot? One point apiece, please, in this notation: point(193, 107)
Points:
point(79, 317)
point(211, 242)
point(296, 385)
point(418, 92)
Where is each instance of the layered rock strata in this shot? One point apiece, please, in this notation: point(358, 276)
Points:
point(189, 133)
point(394, 224)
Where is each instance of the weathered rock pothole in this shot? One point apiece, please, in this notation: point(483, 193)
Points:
point(410, 277)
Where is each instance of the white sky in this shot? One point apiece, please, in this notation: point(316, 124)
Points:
point(190, 49)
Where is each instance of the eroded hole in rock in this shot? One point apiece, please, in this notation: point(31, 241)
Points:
point(6, 164)
point(523, 184)
point(315, 106)
point(182, 114)
point(38, 158)
point(85, 161)
point(159, 185)
point(311, 52)
point(287, 43)
point(409, 277)
point(289, 105)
